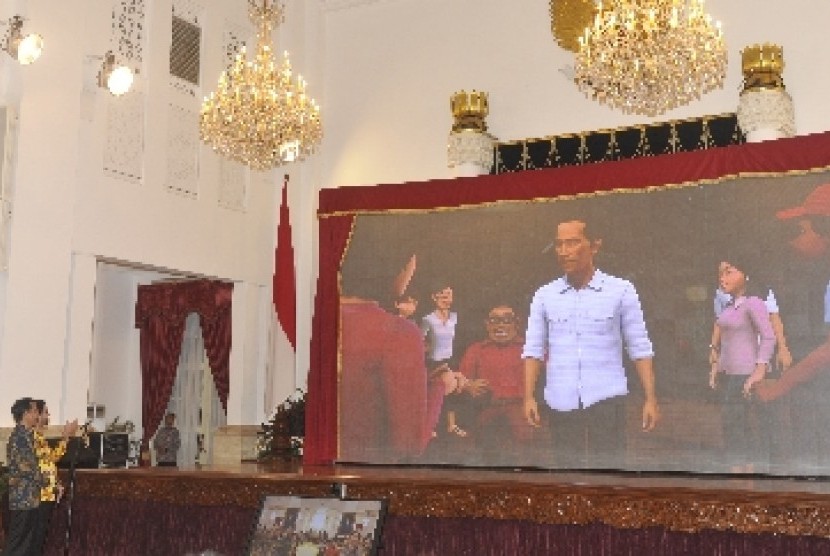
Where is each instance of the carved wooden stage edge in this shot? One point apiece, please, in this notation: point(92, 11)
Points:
point(546, 498)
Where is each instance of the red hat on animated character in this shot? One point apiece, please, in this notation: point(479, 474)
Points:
point(817, 203)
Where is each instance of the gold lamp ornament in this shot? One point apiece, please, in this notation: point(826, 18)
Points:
point(469, 110)
point(762, 66)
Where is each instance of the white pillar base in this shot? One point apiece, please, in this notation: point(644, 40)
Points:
point(470, 153)
point(766, 114)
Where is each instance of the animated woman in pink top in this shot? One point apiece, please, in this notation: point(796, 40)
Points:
point(743, 344)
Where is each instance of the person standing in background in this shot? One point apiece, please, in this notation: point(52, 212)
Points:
point(167, 442)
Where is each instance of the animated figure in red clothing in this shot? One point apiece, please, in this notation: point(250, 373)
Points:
point(495, 369)
point(811, 241)
point(802, 390)
point(384, 412)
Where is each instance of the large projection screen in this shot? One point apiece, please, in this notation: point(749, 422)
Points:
point(666, 223)
point(667, 241)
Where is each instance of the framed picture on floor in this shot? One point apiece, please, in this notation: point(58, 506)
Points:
point(302, 526)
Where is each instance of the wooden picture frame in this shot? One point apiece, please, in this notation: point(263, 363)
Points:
point(299, 525)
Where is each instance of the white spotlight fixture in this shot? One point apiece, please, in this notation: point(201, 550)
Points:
point(117, 78)
point(23, 48)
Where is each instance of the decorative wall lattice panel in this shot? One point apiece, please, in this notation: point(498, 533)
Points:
point(617, 144)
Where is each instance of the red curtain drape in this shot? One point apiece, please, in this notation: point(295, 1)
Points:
point(808, 152)
point(216, 332)
point(338, 207)
point(160, 314)
point(127, 526)
point(321, 400)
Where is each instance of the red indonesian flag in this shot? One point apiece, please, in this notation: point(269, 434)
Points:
point(285, 289)
point(280, 373)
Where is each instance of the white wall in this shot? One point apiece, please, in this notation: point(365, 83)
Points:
point(383, 72)
point(68, 215)
point(115, 369)
point(41, 233)
point(390, 66)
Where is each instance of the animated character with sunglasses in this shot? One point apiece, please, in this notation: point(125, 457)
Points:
point(496, 366)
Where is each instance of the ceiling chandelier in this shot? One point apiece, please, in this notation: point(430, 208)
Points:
point(258, 115)
point(649, 56)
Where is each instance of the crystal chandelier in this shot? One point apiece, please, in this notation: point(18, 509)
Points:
point(258, 115)
point(649, 56)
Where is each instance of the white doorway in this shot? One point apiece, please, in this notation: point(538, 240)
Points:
point(194, 399)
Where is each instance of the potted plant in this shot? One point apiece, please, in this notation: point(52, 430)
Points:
point(281, 437)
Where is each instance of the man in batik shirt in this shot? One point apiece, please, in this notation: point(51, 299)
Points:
point(48, 458)
point(25, 481)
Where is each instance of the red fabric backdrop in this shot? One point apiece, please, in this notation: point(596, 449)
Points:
point(339, 206)
point(321, 399)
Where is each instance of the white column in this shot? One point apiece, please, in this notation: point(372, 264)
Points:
point(766, 114)
point(765, 110)
point(470, 152)
point(81, 314)
point(470, 147)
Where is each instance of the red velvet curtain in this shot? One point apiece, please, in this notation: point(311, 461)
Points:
point(126, 527)
point(809, 152)
point(160, 314)
point(404, 535)
point(338, 207)
point(321, 401)
point(216, 332)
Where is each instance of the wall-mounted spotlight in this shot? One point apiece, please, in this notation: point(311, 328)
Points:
point(117, 78)
point(23, 48)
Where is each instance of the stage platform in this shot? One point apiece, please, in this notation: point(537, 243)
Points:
point(448, 511)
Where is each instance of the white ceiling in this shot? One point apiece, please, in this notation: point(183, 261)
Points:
point(331, 5)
